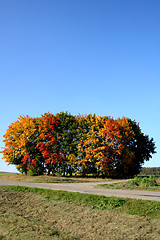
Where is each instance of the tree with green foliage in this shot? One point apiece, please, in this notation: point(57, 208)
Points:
point(67, 140)
point(146, 171)
point(137, 149)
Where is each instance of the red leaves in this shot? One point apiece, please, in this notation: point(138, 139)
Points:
point(28, 160)
point(48, 136)
point(41, 146)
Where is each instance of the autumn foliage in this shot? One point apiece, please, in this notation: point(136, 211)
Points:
point(82, 144)
point(48, 144)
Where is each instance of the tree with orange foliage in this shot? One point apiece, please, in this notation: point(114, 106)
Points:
point(48, 142)
point(111, 147)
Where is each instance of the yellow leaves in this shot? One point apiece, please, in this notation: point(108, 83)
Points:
point(24, 127)
point(98, 163)
point(71, 158)
point(17, 136)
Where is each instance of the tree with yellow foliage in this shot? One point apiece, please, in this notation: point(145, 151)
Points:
point(20, 148)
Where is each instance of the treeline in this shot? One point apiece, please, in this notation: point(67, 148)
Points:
point(146, 171)
point(82, 144)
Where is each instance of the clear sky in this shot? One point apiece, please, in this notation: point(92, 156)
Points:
point(81, 56)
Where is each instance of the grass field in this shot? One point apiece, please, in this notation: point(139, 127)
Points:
point(31, 213)
point(7, 174)
point(151, 183)
point(47, 179)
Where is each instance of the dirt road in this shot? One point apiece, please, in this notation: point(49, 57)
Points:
point(89, 188)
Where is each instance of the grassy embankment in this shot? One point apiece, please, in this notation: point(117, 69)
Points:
point(148, 183)
point(32, 213)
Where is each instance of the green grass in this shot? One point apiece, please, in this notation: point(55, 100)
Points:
point(125, 205)
point(150, 181)
point(147, 183)
point(7, 174)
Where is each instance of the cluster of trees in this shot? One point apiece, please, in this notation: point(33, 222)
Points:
point(82, 144)
point(146, 171)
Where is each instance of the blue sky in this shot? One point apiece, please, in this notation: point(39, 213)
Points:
point(86, 56)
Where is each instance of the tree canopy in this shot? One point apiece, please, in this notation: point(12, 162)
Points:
point(82, 144)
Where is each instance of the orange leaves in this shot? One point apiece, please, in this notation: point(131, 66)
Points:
point(126, 127)
point(111, 130)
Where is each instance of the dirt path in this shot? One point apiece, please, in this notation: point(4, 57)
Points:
point(89, 188)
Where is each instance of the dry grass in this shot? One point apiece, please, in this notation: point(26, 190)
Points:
point(47, 179)
point(26, 216)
